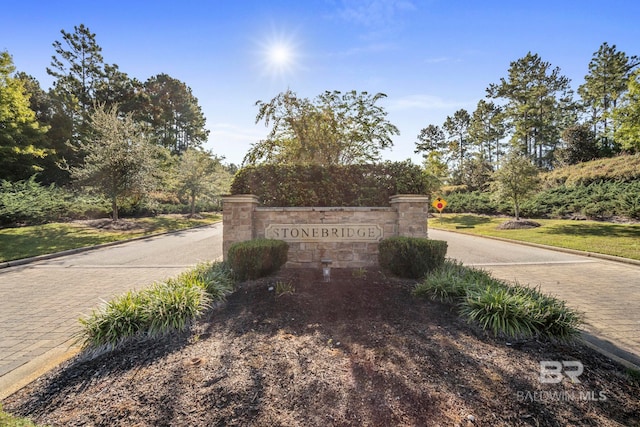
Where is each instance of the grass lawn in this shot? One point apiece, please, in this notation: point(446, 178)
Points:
point(24, 242)
point(621, 240)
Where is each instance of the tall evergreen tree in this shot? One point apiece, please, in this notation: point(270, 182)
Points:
point(606, 82)
point(487, 129)
point(172, 111)
point(432, 145)
point(78, 67)
point(457, 129)
point(539, 104)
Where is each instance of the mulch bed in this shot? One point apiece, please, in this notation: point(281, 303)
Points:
point(359, 350)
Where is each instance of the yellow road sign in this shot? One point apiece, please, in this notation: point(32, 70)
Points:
point(439, 204)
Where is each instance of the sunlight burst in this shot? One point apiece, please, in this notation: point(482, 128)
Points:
point(279, 57)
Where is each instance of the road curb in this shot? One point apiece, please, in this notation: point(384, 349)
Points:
point(552, 248)
point(24, 261)
point(24, 375)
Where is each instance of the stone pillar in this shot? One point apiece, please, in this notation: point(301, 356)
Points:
point(237, 219)
point(412, 211)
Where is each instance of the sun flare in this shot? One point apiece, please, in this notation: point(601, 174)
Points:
point(279, 55)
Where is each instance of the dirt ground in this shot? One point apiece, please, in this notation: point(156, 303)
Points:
point(357, 351)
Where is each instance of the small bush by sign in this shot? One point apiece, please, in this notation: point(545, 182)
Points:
point(257, 258)
point(411, 257)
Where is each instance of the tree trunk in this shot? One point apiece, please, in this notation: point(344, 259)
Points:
point(517, 208)
point(114, 208)
point(193, 204)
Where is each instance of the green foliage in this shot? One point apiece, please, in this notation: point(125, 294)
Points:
point(157, 310)
point(450, 282)
point(176, 120)
point(8, 420)
point(334, 128)
point(498, 309)
point(410, 256)
point(314, 185)
point(21, 136)
point(284, 288)
point(505, 310)
point(199, 175)
point(627, 116)
point(216, 278)
point(516, 179)
point(620, 169)
point(256, 258)
point(538, 104)
point(29, 202)
point(119, 160)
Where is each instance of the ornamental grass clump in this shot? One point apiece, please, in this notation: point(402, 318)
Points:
point(451, 282)
point(511, 311)
point(160, 309)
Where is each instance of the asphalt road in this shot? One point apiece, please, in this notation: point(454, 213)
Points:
point(607, 292)
point(40, 302)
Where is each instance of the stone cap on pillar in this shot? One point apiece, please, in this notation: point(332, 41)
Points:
point(241, 198)
point(409, 198)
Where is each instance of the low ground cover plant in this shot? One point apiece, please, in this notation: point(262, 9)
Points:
point(512, 311)
point(411, 257)
point(256, 258)
point(157, 310)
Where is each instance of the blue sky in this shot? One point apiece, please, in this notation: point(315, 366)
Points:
point(430, 57)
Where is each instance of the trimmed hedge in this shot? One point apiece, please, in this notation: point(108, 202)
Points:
point(337, 185)
point(256, 258)
point(411, 257)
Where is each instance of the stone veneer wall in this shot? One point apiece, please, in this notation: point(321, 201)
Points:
point(348, 236)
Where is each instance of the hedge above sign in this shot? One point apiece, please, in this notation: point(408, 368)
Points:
point(324, 232)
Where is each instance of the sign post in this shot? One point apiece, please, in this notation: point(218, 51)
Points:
point(439, 204)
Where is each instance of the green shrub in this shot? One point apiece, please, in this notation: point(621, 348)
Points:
point(256, 258)
point(505, 310)
point(216, 278)
point(30, 203)
point(502, 311)
point(451, 282)
point(335, 185)
point(520, 312)
point(411, 257)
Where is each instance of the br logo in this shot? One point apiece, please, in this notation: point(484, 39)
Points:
point(553, 372)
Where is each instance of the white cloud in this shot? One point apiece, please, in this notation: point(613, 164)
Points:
point(373, 12)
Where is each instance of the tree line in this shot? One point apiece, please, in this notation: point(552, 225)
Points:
point(102, 129)
point(533, 113)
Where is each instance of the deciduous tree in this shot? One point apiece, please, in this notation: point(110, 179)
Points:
point(627, 117)
point(200, 174)
point(334, 128)
point(516, 179)
point(22, 145)
point(119, 161)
